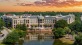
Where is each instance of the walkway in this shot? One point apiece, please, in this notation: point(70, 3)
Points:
point(5, 32)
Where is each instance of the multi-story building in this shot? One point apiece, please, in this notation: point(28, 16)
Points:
point(36, 21)
point(69, 18)
point(81, 17)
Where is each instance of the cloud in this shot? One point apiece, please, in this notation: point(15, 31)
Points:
point(24, 4)
point(56, 3)
point(9, 0)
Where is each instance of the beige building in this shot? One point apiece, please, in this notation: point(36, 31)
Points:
point(36, 21)
point(81, 17)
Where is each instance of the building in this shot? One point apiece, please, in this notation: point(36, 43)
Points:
point(81, 17)
point(36, 21)
point(69, 18)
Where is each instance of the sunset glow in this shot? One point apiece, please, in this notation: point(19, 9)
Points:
point(39, 5)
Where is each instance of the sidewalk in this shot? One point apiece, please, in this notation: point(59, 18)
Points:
point(5, 32)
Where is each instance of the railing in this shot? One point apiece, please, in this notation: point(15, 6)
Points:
point(36, 37)
point(40, 31)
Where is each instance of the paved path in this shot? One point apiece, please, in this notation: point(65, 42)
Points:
point(69, 36)
point(5, 35)
point(5, 32)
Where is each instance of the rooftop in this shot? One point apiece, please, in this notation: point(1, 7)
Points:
point(59, 16)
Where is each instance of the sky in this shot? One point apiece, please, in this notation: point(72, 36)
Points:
point(41, 5)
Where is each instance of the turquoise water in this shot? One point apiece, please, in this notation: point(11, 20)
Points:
point(37, 42)
point(42, 42)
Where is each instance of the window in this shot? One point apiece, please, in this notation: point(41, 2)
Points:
point(14, 21)
point(28, 21)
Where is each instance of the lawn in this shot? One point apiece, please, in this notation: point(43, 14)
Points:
point(2, 44)
point(59, 42)
point(65, 40)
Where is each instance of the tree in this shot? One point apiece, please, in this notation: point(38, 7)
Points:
point(67, 29)
point(9, 25)
point(13, 37)
point(61, 24)
point(77, 26)
point(18, 27)
point(1, 24)
point(21, 33)
point(78, 40)
point(59, 32)
point(72, 33)
point(21, 27)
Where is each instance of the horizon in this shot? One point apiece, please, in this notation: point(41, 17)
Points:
point(40, 5)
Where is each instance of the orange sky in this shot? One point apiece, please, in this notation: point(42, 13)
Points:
point(21, 6)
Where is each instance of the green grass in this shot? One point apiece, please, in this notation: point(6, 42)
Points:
point(59, 42)
point(2, 44)
point(68, 41)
